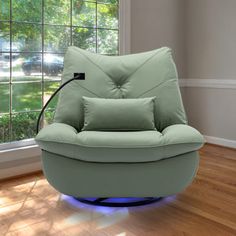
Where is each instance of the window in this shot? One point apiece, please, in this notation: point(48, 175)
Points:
point(34, 36)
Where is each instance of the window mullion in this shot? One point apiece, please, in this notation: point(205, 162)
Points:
point(96, 26)
point(10, 79)
point(71, 22)
point(42, 65)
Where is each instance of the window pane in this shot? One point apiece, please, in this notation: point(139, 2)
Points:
point(5, 98)
point(30, 11)
point(107, 16)
point(84, 38)
point(4, 67)
point(28, 36)
point(56, 38)
point(24, 125)
point(5, 10)
point(84, 13)
point(49, 89)
point(26, 96)
point(36, 62)
point(57, 12)
point(108, 1)
point(107, 42)
point(4, 128)
point(27, 67)
point(4, 36)
point(53, 66)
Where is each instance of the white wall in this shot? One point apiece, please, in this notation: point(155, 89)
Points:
point(202, 34)
point(158, 23)
point(212, 111)
point(211, 39)
point(211, 54)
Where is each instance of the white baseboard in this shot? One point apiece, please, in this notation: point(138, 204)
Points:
point(221, 141)
point(20, 170)
point(19, 153)
point(19, 161)
point(208, 83)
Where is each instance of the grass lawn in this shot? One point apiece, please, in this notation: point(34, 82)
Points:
point(26, 96)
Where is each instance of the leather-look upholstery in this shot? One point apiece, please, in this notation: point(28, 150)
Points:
point(134, 146)
point(166, 159)
point(133, 76)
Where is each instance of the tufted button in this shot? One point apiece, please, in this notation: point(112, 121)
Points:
point(118, 86)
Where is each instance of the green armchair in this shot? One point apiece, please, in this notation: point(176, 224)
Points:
point(156, 162)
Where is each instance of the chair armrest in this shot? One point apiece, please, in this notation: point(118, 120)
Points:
point(181, 133)
point(57, 132)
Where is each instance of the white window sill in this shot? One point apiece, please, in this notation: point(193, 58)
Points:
point(17, 158)
point(17, 144)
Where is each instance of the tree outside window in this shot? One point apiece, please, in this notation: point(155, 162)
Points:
point(34, 36)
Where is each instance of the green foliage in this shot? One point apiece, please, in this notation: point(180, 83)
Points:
point(57, 38)
point(5, 10)
point(27, 10)
point(107, 15)
point(27, 31)
point(84, 14)
point(84, 38)
point(23, 125)
point(4, 129)
point(57, 12)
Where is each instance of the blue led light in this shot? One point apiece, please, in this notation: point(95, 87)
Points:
point(77, 204)
point(108, 210)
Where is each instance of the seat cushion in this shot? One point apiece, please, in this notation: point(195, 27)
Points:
point(133, 146)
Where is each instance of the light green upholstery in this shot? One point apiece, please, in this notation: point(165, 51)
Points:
point(104, 114)
point(86, 179)
point(134, 146)
point(144, 75)
point(91, 163)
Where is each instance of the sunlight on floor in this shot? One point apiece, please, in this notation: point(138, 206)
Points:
point(121, 234)
point(102, 216)
point(30, 209)
point(111, 219)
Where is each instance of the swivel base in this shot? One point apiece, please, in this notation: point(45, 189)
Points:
point(109, 203)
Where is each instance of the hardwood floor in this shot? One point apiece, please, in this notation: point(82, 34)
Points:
point(30, 206)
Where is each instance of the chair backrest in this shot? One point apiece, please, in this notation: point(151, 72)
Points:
point(139, 75)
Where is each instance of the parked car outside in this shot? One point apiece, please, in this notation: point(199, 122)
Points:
point(15, 52)
point(53, 65)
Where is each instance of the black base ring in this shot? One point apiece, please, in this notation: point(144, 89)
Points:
point(102, 202)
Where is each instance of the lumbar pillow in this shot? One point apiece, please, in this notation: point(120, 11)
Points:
point(102, 114)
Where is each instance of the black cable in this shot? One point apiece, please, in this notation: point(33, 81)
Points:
point(77, 76)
